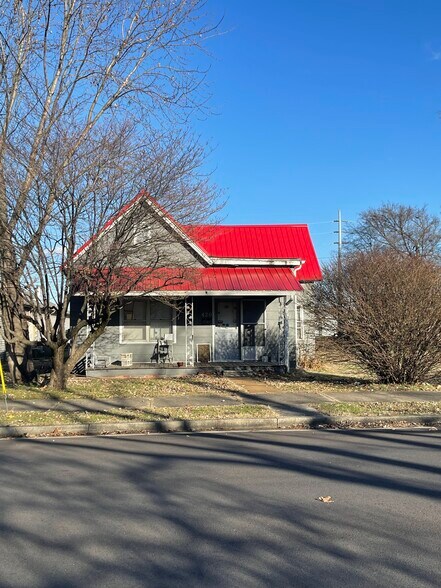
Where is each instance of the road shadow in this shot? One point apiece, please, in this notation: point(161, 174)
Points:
point(221, 510)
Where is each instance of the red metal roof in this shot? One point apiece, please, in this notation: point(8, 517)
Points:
point(260, 242)
point(212, 279)
point(239, 241)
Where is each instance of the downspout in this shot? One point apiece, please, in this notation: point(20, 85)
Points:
point(90, 353)
point(296, 340)
point(296, 330)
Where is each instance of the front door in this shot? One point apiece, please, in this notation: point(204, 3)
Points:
point(253, 336)
point(226, 330)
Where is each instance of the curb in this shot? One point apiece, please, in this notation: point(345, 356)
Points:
point(199, 425)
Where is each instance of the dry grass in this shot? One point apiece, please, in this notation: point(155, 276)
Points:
point(333, 371)
point(336, 371)
point(53, 417)
point(378, 408)
point(321, 382)
point(132, 387)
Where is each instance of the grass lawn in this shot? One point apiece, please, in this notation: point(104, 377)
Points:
point(79, 387)
point(335, 371)
point(378, 408)
point(308, 381)
point(54, 417)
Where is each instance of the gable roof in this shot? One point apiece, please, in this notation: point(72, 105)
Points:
point(260, 242)
point(161, 213)
point(233, 245)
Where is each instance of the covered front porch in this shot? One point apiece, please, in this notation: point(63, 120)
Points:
point(160, 336)
point(173, 370)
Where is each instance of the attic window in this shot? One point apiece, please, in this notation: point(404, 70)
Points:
point(142, 237)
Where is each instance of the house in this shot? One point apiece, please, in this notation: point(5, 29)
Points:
point(241, 302)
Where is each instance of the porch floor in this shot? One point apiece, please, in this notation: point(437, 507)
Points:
point(170, 370)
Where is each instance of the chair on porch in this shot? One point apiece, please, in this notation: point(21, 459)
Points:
point(163, 351)
point(100, 361)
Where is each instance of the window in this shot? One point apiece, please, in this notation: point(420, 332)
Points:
point(299, 323)
point(146, 320)
point(160, 320)
point(135, 321)
point(227, 313)
point(143, 236)
point(203, 311)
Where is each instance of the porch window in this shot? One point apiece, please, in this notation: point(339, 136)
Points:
point(253, 318)
point(146, 320)
point(203, 311)
point(160, 320)
point(135, 321)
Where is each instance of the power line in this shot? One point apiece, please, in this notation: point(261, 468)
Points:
point(321, 223)
point(321, 234)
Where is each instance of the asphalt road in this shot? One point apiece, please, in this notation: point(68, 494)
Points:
point(222, 510)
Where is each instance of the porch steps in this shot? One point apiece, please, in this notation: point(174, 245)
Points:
point(248, 371)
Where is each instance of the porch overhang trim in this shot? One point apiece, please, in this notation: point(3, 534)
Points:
point(252, 262)
point(221, 293)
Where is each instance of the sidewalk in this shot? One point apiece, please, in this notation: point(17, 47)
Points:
point(289, 410)
point(256, 392)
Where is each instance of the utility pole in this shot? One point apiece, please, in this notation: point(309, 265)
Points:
point(339, 244)
point(339, 241)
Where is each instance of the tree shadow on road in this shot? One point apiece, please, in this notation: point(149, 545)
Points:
point(221, 510)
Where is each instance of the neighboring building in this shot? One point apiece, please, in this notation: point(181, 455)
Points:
point(243, 302)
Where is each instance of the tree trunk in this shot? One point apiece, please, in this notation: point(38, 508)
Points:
point(18, 362)
point(59, 373)
point(16, 329)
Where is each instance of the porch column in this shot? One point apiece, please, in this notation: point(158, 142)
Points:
point(189, 332)
point(90, 353)
point(284, 332)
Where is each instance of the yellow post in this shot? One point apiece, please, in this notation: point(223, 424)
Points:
point(2, 379)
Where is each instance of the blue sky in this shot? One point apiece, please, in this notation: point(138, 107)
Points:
point(325, 104)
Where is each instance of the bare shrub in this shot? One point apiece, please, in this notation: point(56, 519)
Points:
point(388, 310)
point(308, 360)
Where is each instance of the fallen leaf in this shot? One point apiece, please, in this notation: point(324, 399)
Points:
point(325, 499)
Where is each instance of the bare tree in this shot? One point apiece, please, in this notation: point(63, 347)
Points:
point(408, 230)
point(80, 79)
point(389, 312)
point(137, 251)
